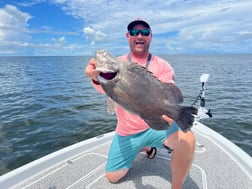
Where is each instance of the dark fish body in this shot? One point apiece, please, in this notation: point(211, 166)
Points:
point(138, 91)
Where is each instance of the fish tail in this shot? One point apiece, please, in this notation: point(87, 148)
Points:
point(186, 117)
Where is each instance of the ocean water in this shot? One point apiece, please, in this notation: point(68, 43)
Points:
point(48, 103)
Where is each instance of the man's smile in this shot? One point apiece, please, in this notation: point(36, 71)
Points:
point(142, 43)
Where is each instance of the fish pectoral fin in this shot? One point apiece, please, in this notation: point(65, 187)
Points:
point(159, 124)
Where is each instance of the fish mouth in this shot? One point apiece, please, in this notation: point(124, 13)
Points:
point(108, 75)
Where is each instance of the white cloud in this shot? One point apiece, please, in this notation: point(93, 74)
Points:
point(199, 23)
point(205, 25)
point(16, 37)
point(93, 35)
point(13, 24)
point(61, 41)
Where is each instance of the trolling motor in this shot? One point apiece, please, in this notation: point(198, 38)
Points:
point(203, 113)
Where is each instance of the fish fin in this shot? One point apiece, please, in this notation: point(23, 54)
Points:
point(186, 117)
point(157, 124)
point(174, 94)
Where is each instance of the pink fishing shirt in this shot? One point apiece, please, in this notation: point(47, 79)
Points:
point(129, 123)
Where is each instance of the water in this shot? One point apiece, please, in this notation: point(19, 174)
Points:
point(48, 103)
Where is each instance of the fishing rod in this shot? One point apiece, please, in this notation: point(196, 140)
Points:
point(203, 113)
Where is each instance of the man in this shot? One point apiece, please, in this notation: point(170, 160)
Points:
point(132, 133)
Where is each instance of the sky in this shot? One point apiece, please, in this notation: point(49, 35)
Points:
point(81, 27)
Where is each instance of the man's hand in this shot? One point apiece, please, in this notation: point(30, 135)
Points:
point(90, 70)
point(169, 120)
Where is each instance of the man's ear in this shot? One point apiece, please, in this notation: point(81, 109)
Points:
point(127, 35)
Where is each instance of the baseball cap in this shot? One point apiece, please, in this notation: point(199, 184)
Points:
point(138, 21)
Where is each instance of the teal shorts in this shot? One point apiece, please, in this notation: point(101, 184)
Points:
point(124, 149)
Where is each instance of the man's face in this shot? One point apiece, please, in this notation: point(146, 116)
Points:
point(139, 44)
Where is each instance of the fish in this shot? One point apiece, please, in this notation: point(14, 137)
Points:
point(138, 91)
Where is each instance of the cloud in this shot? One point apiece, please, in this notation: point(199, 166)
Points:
point(178, 26)
point(93, 35)
point(200, 24)
point(60, 41)
point(212, 27)
point(16, 36)
point(13, 24)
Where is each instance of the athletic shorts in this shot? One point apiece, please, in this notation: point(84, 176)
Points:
point(124, 149)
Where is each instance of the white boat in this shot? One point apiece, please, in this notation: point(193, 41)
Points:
point(218, 164)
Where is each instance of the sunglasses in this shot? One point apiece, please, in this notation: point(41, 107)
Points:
point(144, 32)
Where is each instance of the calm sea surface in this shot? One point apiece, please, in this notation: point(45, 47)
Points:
point(47, 103)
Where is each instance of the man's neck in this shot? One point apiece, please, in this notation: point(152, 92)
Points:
point(140, 55)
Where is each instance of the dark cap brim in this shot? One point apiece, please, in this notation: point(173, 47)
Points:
point(136, 22)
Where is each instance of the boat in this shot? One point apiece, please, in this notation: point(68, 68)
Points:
point(218, 164)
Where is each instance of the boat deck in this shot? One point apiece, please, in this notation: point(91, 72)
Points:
point(218, 163)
